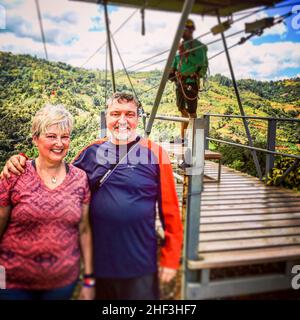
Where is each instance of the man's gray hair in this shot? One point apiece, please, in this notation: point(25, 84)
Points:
point(123, 96)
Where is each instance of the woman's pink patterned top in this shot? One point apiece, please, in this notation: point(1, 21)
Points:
point(40, 247)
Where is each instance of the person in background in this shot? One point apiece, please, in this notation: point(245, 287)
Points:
point(189, 65)
point(44, 218)
point(129, 176)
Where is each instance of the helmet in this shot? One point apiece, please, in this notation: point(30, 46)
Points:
point(190, 24)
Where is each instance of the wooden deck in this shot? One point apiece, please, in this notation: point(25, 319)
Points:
point(243, 221)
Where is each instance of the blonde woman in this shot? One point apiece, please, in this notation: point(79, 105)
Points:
point(44, 223)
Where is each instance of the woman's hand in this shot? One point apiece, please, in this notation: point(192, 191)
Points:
point(87, 293)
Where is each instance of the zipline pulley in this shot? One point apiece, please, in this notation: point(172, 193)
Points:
point(221, 27)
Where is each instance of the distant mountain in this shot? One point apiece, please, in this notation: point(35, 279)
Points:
point(28, 83)
point(286, 90)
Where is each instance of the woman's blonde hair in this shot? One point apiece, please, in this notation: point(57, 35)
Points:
point(50, 115)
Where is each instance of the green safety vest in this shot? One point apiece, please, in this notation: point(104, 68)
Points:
point(195, 62)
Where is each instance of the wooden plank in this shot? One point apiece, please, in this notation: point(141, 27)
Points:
point(257, 200)
point(257, 233)
point(235, 186)
point(242, 191)
point(245, 257)
point(244, 198)
point(179, 150)
point(227, 173)
point(230, 180)
point(248, 243)
point(209, 155)
point(257, 217)
point(246, 195)
point(238, 181)
point(235, 179)
point(245, 225)
point(246, 206)
point(237, 212)
point(226, 187)
point(262, 191)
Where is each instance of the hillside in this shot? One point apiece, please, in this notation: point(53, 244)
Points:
point(27, 83)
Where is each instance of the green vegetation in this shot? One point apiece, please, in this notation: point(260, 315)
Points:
point(28, 83)
point(291, 181)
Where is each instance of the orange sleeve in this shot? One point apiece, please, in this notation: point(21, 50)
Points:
point(169, 207)
point(99, 141)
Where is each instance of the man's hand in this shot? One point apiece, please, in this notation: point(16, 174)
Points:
point(172, 75)
point(166, 274)
point(87, 293)
point(15, 164)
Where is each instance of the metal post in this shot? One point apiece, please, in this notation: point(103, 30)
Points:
point(195, 187)
point(109, 46)
point(271, 144)
point(144, 122)
point(257, 165)
point(187, 8)
point(102, 124)
point(206, 130)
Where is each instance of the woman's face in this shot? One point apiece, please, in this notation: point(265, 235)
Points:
point(53, 145)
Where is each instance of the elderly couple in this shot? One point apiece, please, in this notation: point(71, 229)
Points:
point(47, 205)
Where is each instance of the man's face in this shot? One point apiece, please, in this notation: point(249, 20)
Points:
point(122, 121)
point(188, 33)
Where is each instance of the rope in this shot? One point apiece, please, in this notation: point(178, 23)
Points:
point(198, 37)
point(220, 52)
point(105, 94)
point(165, 51)
point(191, 50)
point(114, 33)
point(184, 94)
point(241, 41)
point(124, 68)
point(41, 27)
point(179, 79)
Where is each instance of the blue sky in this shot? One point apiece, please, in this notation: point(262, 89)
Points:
point(291, 34)
point(75, 30)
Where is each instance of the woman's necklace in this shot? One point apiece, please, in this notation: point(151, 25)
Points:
point(53, 179)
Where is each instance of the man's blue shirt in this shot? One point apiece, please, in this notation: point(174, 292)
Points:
point(123, 209)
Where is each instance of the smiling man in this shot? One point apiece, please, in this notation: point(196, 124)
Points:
point(129, 176)
point(123, 209)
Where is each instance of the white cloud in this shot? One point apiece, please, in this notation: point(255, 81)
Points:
point(260, 62)
point(67, 25)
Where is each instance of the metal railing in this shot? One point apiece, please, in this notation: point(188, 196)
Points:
point(271, 136)
point(271, 139)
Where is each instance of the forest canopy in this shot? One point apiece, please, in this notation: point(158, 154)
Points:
point(28, 83)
